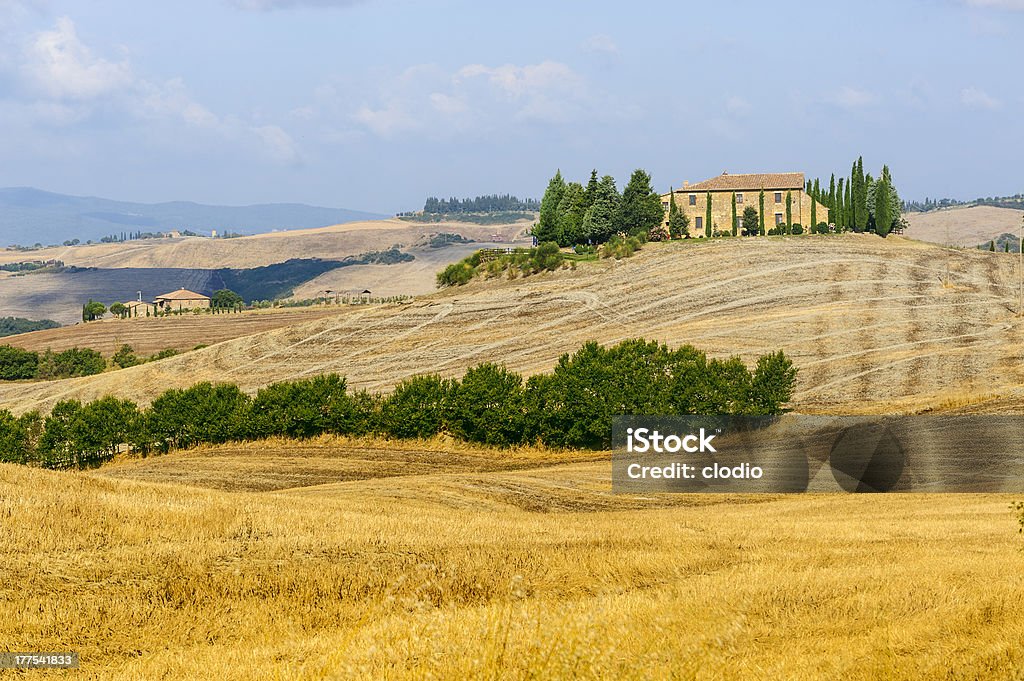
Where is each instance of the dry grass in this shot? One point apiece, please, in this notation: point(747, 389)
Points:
point(149, 335)
point(446, 575)
point(868, 322)
point(963, 226)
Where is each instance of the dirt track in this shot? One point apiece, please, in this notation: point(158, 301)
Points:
point(870, 323)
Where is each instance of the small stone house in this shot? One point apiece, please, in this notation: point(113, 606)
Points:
point(182, 299)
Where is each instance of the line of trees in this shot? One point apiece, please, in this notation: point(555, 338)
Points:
point(570, 407)
point(860, 202)
point(572, 214)
point(17, 364)
point(491, 203)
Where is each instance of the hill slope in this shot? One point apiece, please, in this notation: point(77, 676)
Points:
point(870, 323)
point(968, 226)
point(28, 216)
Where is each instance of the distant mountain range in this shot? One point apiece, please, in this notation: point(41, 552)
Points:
point(29, 216)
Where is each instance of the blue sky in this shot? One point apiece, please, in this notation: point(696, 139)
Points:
point(375, 104)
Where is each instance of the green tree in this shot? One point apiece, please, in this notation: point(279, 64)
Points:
point(760, 214)
point(773, 383)
point(226, 299)
point(125, 357)
point(487, 406)
point(547, 227)
point(707, 215)
point(883, 208)
point(789, 211)
point(641, 206)
point(418, 407)
point(751, 224)
point(678, 220)
point(604, 216)
point(17, 364)
point(992, 246)
point(303, 408)
point(571, 211)
point(590, 193)
point(119, 310)
point(860, 197)
point(14, 440)
point(735, 222)
point(93, 310)
point(58, 445)
point(814, 215)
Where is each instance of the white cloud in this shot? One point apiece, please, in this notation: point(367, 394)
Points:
point(277, 143)
point(976, 98)
point(61, 66)
point(600, 44)
point(849, 97)
point(475, 98)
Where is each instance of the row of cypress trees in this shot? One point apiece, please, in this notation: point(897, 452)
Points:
point(860, 202)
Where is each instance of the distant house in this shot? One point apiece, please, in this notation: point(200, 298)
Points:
point(138, 308)
point(691, 199)
point(182, 299)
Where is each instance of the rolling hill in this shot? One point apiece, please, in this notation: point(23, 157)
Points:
point(29, 216)
point(873, 325)
point(967, 226)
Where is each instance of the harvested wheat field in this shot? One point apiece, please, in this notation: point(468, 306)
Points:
point(966, 226)
point(477, 564)
point(148, 335)
point(874, 325)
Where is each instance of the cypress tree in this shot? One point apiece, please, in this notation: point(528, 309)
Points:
point(789, 211)
point(992, 246)
point(734, 229)
point(848, 206)
point(814, 216)
point(840, 206)
point(760, 214)
point(860, 198)
point(854, 189)
point(591, 192)
point(707, 218)
point(832, 199)
point(883, 208)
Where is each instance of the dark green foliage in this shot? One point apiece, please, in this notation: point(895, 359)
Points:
point(544, 258)
point(204, 413)
point(456, 274)
point(751, 223)
point(418, 407)
point(226, 299)
point(797, 229)
point(491, 203)
point(814, 212)
point(773, 383)
point(618, 247)
point(735, 221)
point(70, 363)
point(119, 310)
point(125, 357)
point(92, 311)
point(302, 409)
point(17, 364)
point(487, 406)
point(547, 227)
point(10, 326)
point(789, 211)
point(15, 445)
point(641, 206)
point(445, 239)
point(571, 211)
point(604, 212)
point(678, 221)
point(760, 213)
point(707, 216)
point(883, 208)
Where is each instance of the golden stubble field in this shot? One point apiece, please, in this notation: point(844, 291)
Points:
point(341, 562)
point(873, 325)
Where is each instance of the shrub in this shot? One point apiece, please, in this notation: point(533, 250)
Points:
point(204, 413)
point(418, 407)
point(125, 357)
point(71, 363)
point(797, 229)
point(16, 364)
point(456, 274)
point(486, 406)
point(302, 409)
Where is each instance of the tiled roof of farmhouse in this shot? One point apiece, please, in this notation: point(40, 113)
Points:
point(727, 182)
point(182, 294)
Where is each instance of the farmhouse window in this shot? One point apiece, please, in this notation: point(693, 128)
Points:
point(778, 197)
point(693, 199)
point(739, 198)
point(778, 219)
point(699, 223)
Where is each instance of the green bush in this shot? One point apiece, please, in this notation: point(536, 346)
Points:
point(418, 407)
point(486, 406)
point(302, 409)
point(17, 364)
point(125, 357)
point(71, 363)
point(797, 229)
point(203, 413)
point(456, 274)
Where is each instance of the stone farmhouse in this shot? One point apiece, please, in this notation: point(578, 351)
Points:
point(692, 200)
point(182, 299)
